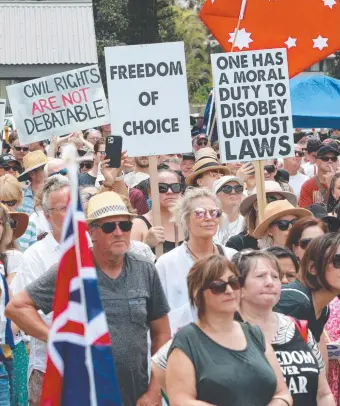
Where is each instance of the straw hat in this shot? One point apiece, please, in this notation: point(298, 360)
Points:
point(21, 220)
point(106, 204)
point(270, 187)
point(206, 160)
point(33, 160)
point(276, 210)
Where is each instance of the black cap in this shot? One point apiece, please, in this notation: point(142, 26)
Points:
point(5, 159)
point(189, 156)
point(318, 210)
point(313, 145)
point(327, 149)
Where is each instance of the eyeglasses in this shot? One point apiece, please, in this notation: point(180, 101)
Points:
point(270, 168)
point(9, 203)
point(61, 210)
point(87, 165)
point(24, 149)
point(110, 227)
point(202, 213)
point(13, 223)
point(336, 261)
point(228, 189)
point(303, 243)
point(283, 225)
point(272, 198)
point(299, 154)
point(219, 287)
point(329, 158)
point(101, 152)
point(61, 172)
point(14, 168)
point(81, 152)
point(174, 187)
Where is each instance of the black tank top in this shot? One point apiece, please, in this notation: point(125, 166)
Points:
point(167, 245)
point(300, 369)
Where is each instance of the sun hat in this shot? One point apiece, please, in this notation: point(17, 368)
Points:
point(206, 160)
point(225, 179)
point(276, 210)
point(21, 221)
point(270, 187)
point(106, 204)
point(33, 160)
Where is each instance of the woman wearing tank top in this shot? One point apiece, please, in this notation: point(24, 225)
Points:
point(295, 347)
point(143, 230)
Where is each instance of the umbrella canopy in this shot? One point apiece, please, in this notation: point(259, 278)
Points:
point(315, 102)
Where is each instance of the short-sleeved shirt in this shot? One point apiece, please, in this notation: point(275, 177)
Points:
point(310, 193)
point(296, 300)
point(84, 179)
point(226, 377)
point(130, 302)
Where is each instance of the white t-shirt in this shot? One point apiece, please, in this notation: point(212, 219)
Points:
point(297, 181)
point(228, 230)
point(173, 268)
point(310, 169)
point(14, 261)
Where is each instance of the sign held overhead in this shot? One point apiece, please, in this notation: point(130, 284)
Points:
point(148, 98)
point(58, 104)
point(254, 118)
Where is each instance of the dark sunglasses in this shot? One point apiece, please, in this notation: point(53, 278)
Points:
point(219, 287)
point(283, 225)
point(299, 154)
point(201, 213)
point(329, 158)
point(271, 198)
point(270, 168)
point(202, 143)
point(61, 172)
point(87, 165)
point(9, 203)
point(303, 244)
point(14, 168)
point(228, 189)
point(110, 227)
point(336, 261)
point(13, 223)
point(24, 149)
point(174, 187)
point(81, 152)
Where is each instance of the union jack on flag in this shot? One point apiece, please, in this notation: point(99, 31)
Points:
point(80, 366)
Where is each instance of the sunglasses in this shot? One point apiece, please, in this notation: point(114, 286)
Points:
point(61, 172)
point(14, 168)
point(81, 152)
point(202, 213)
point(329, 158)
point(174, 187)
point(270, 168)
point(303, 244)
point(24, 149)
point(202, 143)
point(336, 261)
point(299, 154)
point(87, 165)
point(283, 225)
point(271, 198)
point(110, 227)
point(219, 287)
point(9, 203)
point(13, 223)
point(228, 189)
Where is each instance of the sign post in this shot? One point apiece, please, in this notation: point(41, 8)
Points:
point(2, 121)
point(149, 106)
point(58, 104)
point(253, 108)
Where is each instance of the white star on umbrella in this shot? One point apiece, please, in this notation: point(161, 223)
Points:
point(242, 40)
point(329, 3)
point(320, 42)
point(291, 42)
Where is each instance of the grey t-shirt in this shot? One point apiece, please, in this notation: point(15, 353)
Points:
point(130, 302)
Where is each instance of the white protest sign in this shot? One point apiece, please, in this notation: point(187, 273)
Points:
point(2, 120)
point(58, 104)
point(253, 107)
point(148, 98)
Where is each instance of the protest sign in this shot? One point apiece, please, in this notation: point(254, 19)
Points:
point(58, 104)
point(2, 120)
point(333, 350)
point(148, 98)
point(253, 107)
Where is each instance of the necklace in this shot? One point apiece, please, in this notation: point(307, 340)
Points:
point(193, 256)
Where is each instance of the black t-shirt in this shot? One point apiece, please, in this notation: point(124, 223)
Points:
point(296, 300)
point(242, 241)
point(84, 179)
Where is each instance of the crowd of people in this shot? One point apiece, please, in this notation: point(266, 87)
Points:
point(236, 311)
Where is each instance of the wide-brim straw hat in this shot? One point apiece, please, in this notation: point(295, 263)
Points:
point(20, 218)
point(270, 186)
point(276, 210)
point(106, 204)
point(33, 160)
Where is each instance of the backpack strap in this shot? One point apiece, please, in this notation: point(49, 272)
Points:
point(302, 328)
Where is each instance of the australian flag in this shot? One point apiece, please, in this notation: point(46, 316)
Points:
point(80, 366)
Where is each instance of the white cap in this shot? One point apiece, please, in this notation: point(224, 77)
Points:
point(225, 179)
